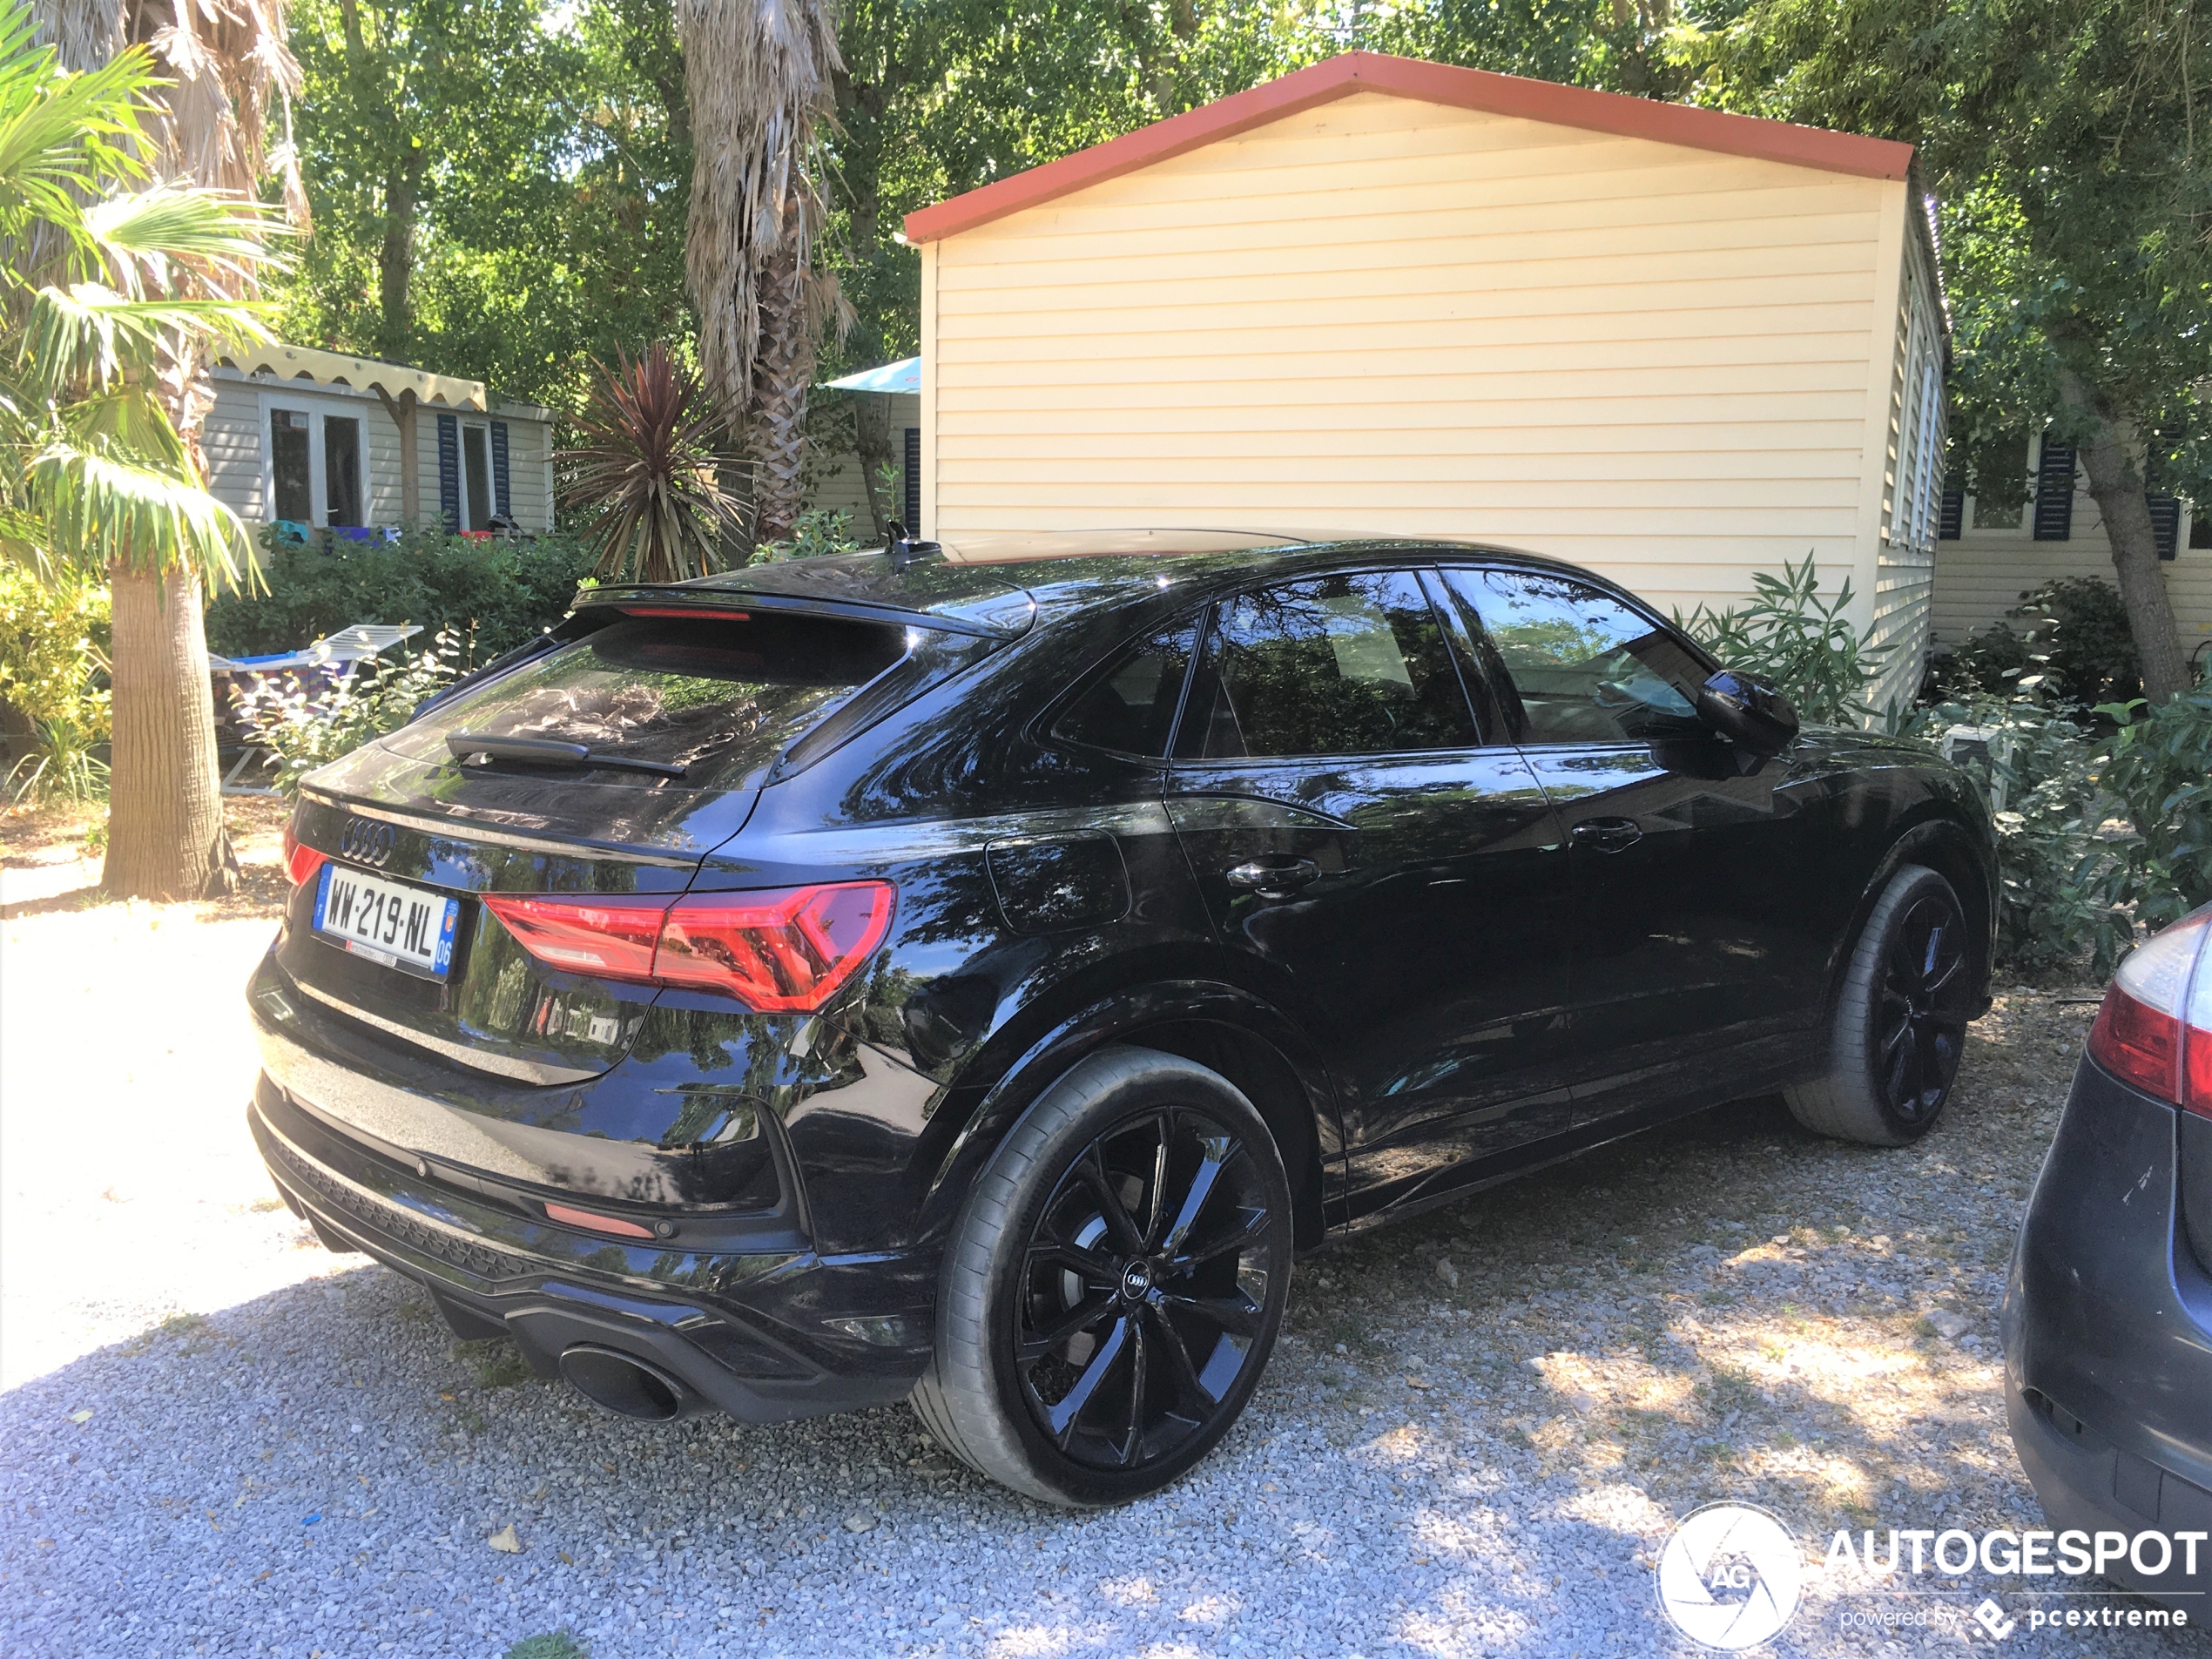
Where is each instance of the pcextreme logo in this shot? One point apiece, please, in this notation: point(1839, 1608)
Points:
point(1731, 1575)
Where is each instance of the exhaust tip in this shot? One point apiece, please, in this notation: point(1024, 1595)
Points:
point(622, 1384)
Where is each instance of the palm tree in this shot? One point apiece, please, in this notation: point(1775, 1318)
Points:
point(758, 75)
point(200, 76)
point(117, 280)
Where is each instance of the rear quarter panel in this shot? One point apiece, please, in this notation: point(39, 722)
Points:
point(1034, 880)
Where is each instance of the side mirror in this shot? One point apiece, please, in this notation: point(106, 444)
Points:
point(1749, 710)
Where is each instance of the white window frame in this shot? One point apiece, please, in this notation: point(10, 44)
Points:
point(317, 409)
point(461, 464)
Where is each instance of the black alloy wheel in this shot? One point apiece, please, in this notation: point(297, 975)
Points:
point(1115, 1283)
point(1145, 1289)
point(1899, 1030)
point(1920, 1026)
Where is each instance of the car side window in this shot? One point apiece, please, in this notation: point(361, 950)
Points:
point(1348, 664)
point(1586, 668)
point(1131, 709)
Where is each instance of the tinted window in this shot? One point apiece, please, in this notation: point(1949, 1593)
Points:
point(1132, 710)
point(1339, 666)
point(1586, 667)
point(722, 697)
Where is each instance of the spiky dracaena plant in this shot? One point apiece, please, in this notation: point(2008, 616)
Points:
point(758, 75)
point(649, 473)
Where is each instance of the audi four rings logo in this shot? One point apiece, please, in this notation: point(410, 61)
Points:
point(366, 841)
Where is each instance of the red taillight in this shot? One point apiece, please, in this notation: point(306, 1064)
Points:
point(607, 938)
point(301, 860)
point(774, 951)
point(2154, 1030)
point(787, 949)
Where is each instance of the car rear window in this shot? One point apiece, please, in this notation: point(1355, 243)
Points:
point(722, 695)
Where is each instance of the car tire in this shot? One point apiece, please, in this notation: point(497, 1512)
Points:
point(1154, 1172)
point(1900, 1020)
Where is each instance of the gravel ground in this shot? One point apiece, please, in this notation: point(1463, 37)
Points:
point(1477, 1430)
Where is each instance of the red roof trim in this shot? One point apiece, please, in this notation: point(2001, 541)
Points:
point(1466, 89)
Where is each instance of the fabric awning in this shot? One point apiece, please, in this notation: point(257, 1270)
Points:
point(363, 373)
point(905, 375)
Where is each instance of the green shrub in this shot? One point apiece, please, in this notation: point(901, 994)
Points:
point(2072, 633)
point(1805, 645)
point(53, 675)
point(2161, 773)
point(491, 596)
point(2055, 898)
point(816, 532)
point(307, 726)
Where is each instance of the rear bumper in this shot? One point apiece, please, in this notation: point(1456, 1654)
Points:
point(2108, 1336)
point(747, 1331)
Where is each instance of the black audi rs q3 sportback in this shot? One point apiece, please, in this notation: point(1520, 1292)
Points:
point(978, 980)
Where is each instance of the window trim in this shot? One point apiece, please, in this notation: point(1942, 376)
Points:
point(462, 429)
point(318, 409)
point(1196, 678)
point(1045, 728)
point(1496, 664)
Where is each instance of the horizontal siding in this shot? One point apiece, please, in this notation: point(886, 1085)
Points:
point(1981, 575)
point(230, 438)
point(1904, 612)
point(384, 505)
point(836, 482)
point(1390, 317)
point(529, 447)
point(233, 436)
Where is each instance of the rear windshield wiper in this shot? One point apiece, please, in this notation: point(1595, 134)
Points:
point(548, 751)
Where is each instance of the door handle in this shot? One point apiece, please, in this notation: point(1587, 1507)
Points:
point(1275, 877)
point(1607, 834)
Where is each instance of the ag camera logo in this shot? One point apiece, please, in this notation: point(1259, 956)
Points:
point(1730, 1577)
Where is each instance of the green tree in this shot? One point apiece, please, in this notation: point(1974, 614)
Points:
point(111, 289)
point(418, 114)
point(2060, 138)
point(499, 190)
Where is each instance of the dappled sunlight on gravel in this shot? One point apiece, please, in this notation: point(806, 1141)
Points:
point(1475, 1435)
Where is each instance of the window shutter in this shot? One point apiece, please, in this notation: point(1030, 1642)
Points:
point(2055, 493)
point(914, 480)
point(2165, 523)
point(449, 471)
point(1955, 515)
point(499, 473)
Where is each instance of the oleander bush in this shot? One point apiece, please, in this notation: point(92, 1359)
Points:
point(2056, 899)
point(817, 531)
point(490, 595)
point(2072, 633)
point(54, 645)
point(307, 724)
point(2160, 773)
point(1805, 645)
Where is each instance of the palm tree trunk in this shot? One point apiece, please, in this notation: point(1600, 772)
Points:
point(775, 439)
point(166, 838)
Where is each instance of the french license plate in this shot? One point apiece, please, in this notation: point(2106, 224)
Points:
point(387, 922)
